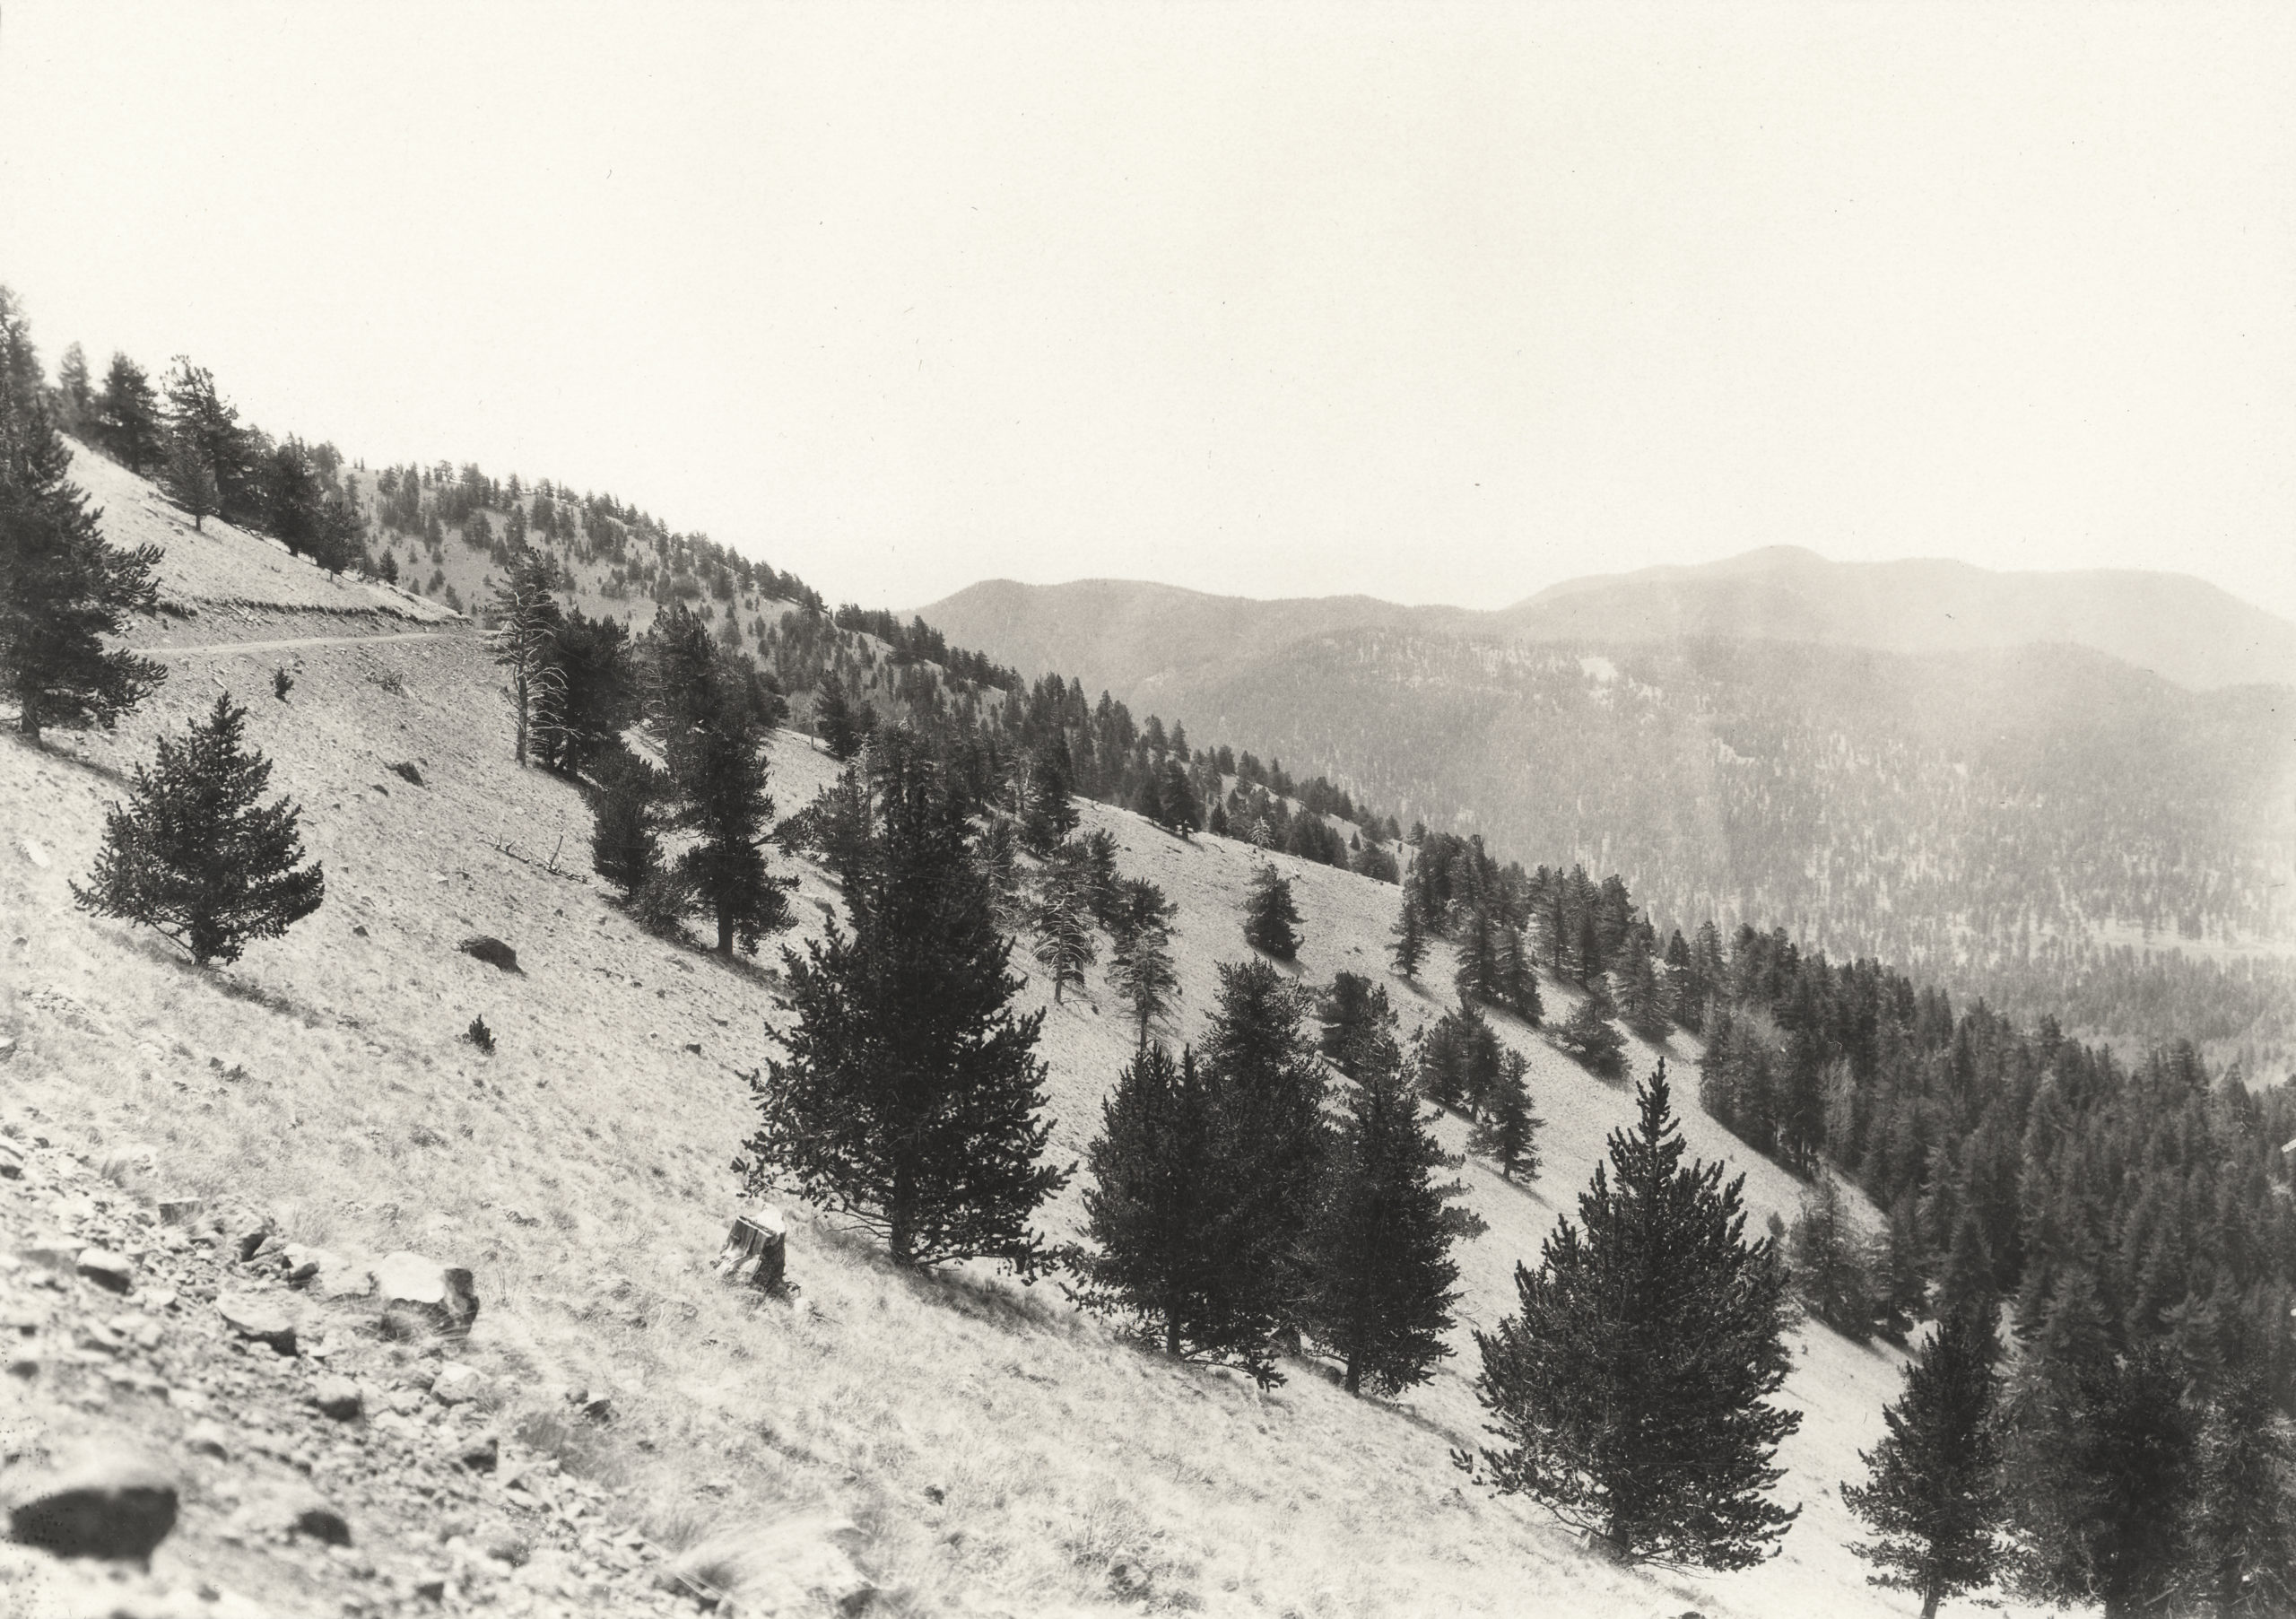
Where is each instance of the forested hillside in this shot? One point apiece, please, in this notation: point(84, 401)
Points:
point(2044, 825)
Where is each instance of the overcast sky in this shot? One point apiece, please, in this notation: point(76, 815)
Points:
point(1441, 305)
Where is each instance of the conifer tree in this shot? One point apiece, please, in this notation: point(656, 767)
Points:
point(1162, 1212)
point(838, 722)
point(1630, 1389)
point(1355, 1018)
point(1061, 919)
point(190, 482)
point(1588, 1035)
point(1932, 1495)
point(1829, 1271)
point(2248, 1501)
point(1271, 1086)
point(707, 712)
point(1139, 955)
point(911, 1098)
point(628, 810)
point(1505, 1131)
point(1271, 920)
point(1641, 1006)
point(62, 588)
point(195, 856)
point(127, 416)
point(523, 640)
point(75, 397)
point(1410, 930)
point(1047, 814)
point(1379, 1275)
point(2100, 1465)
point(206, 439)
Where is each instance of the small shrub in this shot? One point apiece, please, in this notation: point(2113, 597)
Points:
point(281, 682)
point(478, 1035)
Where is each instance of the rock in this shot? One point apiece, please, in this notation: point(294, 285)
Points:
point(107, 1270)
point(314, 1517)
point(490, 950)
point(204, 1438)
point(181, 1211)
point(258, 1321)
point(430, 1587)
point(8, 1047)
point(35, 854)
point(342, 1278)
point(506, 1546)
point(479, 1454)
point(420, 1295)
point(110, 1503)
point(299, 1263)
point(338, 1398)
point(457, 1384)
point(407, 773)
point(789, 1567)
point(758, 1245)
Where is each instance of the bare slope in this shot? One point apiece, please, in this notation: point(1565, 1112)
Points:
point(1000, 1452)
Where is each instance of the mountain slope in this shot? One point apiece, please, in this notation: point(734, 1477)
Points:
point(2180, 628)
point(995, 1447)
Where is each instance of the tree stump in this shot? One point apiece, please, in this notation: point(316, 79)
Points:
point(758, 1245)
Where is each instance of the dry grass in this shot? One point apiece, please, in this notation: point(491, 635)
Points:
point(993, 1446)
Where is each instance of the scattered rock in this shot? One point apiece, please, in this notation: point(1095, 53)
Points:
point(107, 1270)
point(312, 1515)
point(8, 1047)
point(406, 773)
point(419, 1294)
point(479, 1453)
point(457, 1384)
point(258, 1321)
point(758, 1245)
point(11, 1162)
point(205, 1438)
point(338, 1398)
point(504, 1545)
point(181, 1211)
point(490, 950)
point(110, 1503)
point(35, 854)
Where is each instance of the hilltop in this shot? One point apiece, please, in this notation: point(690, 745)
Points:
point(996, 1450)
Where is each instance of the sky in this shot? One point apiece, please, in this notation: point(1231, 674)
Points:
point(1437, 303)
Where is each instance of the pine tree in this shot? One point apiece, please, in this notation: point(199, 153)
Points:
point(62, 588)
point(1518, 980)
point(195, 857)
point(1588, 1036)
point(839, 722)
point(1829, 1272)
point(1271, 920)
point(127, 416)
point(1356, 1019)
point(2100, 1464)
point(628, 812)
point(1140, 956)
point(707, 711)
point(1629, 1388)
point(1410, 947)
point(1932, 1496)
point(1505, 1131)
point(1049, 814)
point(523, 640)
point(911, 1098)
point(1061, 919)
point(1162, 1210)
point(206, 439)
point(75, 397)
point(1641, 1006)
point(1271, 1087)
point(1380, 1289)
point(2246, 1525)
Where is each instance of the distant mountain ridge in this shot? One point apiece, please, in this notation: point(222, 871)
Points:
point(1139, 639)
point(1997, 779)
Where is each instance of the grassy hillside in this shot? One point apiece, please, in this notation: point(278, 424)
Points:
point(1000, 1452)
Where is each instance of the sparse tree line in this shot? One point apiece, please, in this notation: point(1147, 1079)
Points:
point(1269, 1184)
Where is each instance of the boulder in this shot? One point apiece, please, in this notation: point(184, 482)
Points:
point(407, 772)
point(299, 1263)
point(206, 1437)
point(420, 1295)
point(797, 1565)
point(338, 1398)
point(314, 1517)
point(12, 1160)
point(112, 1503)
point(457, 1384)
point(756, 1250)
point(490, 950)
point(181, 1211)
point(107, 1270)
point(342, 1278)
point(479, 1453)
point(257, 1319)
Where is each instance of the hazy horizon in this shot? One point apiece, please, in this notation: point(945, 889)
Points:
point(1441, 307)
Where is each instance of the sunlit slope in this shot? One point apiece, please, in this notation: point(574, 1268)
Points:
point(999, 1450)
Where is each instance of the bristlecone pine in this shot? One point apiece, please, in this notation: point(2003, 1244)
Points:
point(194, 855)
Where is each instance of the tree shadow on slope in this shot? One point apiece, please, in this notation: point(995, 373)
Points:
point(50, 752)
